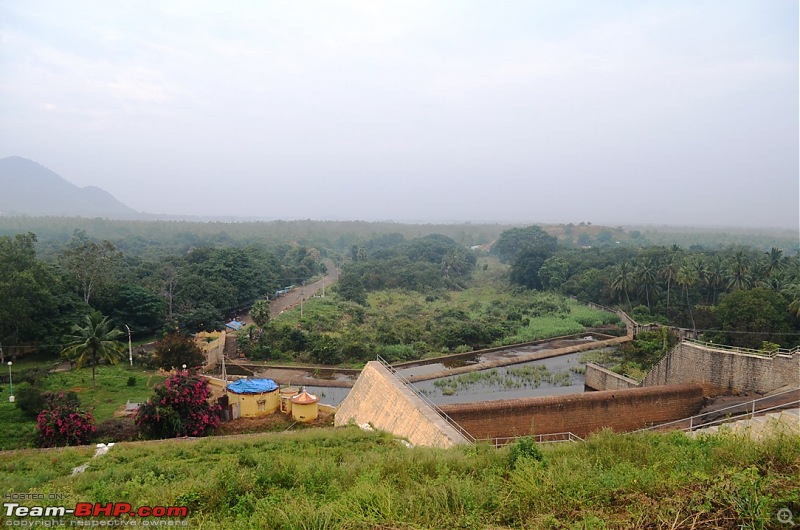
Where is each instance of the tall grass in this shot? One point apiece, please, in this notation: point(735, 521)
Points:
point(350, 479)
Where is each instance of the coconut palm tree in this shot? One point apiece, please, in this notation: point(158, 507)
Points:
point(623, 280)
point(739, 271)
point(669, 271)
point(715, 276)
point(647, 277)
point(792, 293)
point(698, 264)
point(94, 341)
point(687, 277)
point(775, 262)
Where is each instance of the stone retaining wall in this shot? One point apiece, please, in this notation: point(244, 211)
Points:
point(598, 378)
point(724, 371)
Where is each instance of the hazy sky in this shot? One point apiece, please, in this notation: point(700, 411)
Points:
point(615, 112)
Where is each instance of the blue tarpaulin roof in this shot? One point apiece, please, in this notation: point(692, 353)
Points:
point(234, 325)
point(252, 386)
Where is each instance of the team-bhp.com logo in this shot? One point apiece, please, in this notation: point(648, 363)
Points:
point(96, 509)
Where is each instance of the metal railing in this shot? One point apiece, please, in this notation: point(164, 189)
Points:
point(696, 421)
point(556, 437)
point(450, 421)
point(748, 351)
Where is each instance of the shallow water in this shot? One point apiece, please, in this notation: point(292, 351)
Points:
point(509, 383)
point(520, 383)
point(480, 358)
point(328, 395)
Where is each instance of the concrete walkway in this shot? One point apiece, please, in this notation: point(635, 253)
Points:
point(787, 421)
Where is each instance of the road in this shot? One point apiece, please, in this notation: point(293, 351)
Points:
point(293, 297)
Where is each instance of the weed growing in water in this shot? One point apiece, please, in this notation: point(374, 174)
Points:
point(530, 376)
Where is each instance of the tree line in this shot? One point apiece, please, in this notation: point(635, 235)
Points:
point(191, 291)
point(740, 295)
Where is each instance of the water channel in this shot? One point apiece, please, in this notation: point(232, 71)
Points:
point(563, 374)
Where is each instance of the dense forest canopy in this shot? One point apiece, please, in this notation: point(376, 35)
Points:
point(191, 290)
point(155, 276)
point(154, 237)
point(695, 288)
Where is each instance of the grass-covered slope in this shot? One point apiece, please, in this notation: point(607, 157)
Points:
point(349, 479)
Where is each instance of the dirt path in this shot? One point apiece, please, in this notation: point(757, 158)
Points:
point(287, 301)
point(293, 297)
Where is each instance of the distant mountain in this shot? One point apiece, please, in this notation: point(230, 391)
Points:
point(28, 188)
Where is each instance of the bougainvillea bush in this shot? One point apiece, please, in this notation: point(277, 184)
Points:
point(64, 424)
point(179, 407)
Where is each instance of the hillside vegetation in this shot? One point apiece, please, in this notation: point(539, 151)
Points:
point(346, 478)
point(401, 323)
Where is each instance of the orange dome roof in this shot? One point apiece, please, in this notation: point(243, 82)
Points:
point(304, 398)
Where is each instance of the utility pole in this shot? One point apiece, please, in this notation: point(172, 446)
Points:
point(10, 385)
point(130, 345)
point(224, 373)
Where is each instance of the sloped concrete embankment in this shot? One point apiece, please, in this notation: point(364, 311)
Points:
point(383, 401)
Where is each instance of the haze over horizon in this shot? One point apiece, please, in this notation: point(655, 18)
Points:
point(615, 112)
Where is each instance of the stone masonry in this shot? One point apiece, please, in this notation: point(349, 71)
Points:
point(724, 371)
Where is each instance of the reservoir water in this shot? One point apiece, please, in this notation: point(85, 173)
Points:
point(559, 375)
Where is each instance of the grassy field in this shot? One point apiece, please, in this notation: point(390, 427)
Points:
point(108, 395)
point(346, 478)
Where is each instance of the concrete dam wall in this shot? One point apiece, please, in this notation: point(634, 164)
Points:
point(581, 414)
point(380, 399)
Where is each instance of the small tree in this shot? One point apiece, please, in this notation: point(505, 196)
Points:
point(260, 314)
point(94, 341)
point(179, 407)
point(175, 350)
point(63, 423)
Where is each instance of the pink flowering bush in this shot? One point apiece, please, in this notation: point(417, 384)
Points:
point(64, 424)
point(179, 407)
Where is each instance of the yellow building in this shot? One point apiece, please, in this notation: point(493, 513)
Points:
point(212, 344)
point(305, 407)
point(287, 393)
point(255, 397)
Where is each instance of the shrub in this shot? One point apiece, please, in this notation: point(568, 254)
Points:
point(175, 350)
point(132, 381)
point(29, 400)
point(179, 407)
point(63, 423)
point(398, 352)
point(142, 357)
point(524, 448)
point(69, 399)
